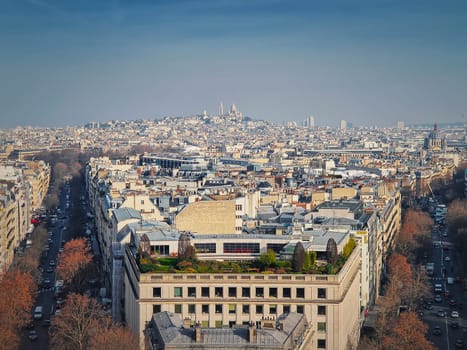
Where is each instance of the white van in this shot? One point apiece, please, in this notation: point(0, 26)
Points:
point(38, 312)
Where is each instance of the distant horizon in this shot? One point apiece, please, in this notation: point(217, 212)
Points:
point(368, 62)
point(350, 125)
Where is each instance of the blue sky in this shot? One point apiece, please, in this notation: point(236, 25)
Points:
point(371, 62)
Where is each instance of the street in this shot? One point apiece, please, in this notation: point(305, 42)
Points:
point(445, 314)
point(58, 234)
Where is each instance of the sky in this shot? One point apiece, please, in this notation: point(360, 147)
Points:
point(370, 62)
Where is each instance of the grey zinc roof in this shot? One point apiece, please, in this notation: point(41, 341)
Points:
point(352, 206)
point(174, 334)
point(122, 214)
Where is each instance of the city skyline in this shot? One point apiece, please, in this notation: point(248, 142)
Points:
point(367, 63)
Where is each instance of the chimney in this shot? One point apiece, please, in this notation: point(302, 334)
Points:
point(252, 335)
point(198, 335)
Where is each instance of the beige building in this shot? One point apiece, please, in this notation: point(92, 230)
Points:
point(38, 174)
point(218, 216)
point(331, 303)
point(343, 193)
point(8, 227)
point(207, 217)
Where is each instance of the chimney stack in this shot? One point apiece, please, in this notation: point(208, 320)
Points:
point(198, 335)
point(252, 335)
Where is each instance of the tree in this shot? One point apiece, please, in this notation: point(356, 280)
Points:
point(82, 324)
point(331, 251)
point(72, 327)
point(110, 336)
point(60, 170)
point(72, 263)
point(298, 257)
point(399, 268)
point(17, 292)
point(268, 259)
point(307, 266)
point(349, 247)
point(408, 334)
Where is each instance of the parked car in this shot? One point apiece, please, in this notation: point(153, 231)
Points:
point(437, 330)
point(459, 343)
point(455, 314)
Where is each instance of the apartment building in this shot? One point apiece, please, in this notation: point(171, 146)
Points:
point(38, 174)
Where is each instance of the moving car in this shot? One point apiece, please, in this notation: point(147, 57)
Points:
point(33, 335)
point(38, 312)
point(455, 314)
point(437, 330)
point(441, 313)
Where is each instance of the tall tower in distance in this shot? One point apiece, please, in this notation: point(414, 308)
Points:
point(311, 122)
point(343, 124)
point(221, 108)
point(400, 125)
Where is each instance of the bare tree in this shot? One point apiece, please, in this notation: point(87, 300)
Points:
point(72, 327)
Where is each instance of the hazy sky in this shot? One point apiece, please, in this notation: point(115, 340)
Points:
point(370, 62)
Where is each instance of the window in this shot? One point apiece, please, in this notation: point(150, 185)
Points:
point(156, 292)
point(205, 324)
point(300, 309)
point(156, 308)
point(287, 292)
point(218, 324)
point(178, 308)
point(273, 292)
point(238, 207)
point(321, 327)
point(232, 292)
point(218, 308)
point(205, 248)
point(321, 343)
point(300, 292)
point(205, 292)
point(246, 308)
point(286, 309)
point(219, 292)
point(241, 247)
point(259, 309)
point(322, 293)
point(142, 202)
point(205, 308)
point(191, 308)
point(178, 292)
point(259, 292)
point(192, 291)
point(246, 292)
point(276, 247)
point(160, 249)
point(273, 308)
point(321, 309)
point(232, 308)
